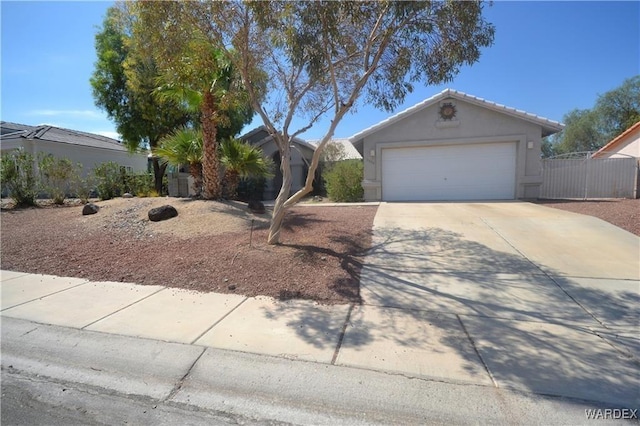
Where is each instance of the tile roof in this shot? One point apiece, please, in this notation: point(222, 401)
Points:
point(57, 134)
point(260, 135)
point(350, 151)
point(617, 140)
point(549, 127)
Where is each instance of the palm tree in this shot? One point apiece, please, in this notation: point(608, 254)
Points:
point(214, 91)
point(183, 147)
point(241, 160)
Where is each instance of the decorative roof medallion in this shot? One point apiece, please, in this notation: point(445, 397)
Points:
point(448, 111)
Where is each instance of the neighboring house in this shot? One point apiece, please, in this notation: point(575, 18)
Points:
point(301, 154)
point(79, 147)
point(454, 146)
point(627, 144)
point(344, 150)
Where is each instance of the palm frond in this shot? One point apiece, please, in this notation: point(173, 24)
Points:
point(183, 146)
point(244, 159)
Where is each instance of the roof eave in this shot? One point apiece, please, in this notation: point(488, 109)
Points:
point(549, 127)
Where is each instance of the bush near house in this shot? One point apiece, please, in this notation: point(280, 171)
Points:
point(343, 181)
point(57, 176)
point(19, 178)
point(140, 184)
point(109, 180)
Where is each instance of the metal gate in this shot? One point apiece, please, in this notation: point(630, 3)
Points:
point(580, 176)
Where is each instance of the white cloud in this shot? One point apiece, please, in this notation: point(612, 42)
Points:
point(71, 113)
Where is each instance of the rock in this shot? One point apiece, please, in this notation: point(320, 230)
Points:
point(317, 198)
point(256, 207)
point(162, 213)
point(232, 287)
point(90, 208)
point(127, 195)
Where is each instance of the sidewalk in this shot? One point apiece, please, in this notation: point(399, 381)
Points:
point(430, 346)
point(296, 330)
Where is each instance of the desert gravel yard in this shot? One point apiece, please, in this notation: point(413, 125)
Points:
point(623, 213)
point(210, 246)
point(218, 246)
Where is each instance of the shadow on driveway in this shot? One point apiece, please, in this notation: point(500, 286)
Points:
point(432, 297)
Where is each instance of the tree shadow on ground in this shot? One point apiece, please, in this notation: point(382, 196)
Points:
point(534, 330)
point(298, 220)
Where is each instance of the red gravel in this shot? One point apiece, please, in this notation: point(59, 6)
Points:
point(319, 258)
point(623, 213)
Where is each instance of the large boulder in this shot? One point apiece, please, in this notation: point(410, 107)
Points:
point(162, 213)
point(90, 208)
point(256, 207)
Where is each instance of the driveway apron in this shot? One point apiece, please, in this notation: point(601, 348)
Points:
point(517, 294)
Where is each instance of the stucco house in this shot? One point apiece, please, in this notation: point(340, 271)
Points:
point(454, 146)
point(624, 145)
point(85, 148)
point(301, 154)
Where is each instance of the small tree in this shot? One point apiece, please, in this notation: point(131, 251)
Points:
point(322, 57)
point(183, 147)
point(241, 160)
point(18, 177)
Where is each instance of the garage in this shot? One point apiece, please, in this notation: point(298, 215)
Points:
point(454, 147)
point(455, 172)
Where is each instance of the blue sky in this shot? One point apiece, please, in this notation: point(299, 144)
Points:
point(548, 58)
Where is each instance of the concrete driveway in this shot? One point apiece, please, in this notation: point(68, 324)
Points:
point(511, 294)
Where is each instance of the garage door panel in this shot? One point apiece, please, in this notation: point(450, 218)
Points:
point(454, 172)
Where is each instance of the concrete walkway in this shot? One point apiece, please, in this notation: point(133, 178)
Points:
point(498, 295)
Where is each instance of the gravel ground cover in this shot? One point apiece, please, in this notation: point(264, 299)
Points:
point(624, 213)
point(209, 246)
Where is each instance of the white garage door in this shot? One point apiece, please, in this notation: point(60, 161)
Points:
point(453, 172)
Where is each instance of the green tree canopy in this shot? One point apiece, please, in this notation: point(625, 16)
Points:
point(122, 84)
point(591, 129)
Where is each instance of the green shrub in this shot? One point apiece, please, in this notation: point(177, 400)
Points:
point(109, 180)
point(140, 184)
point(18, 177)
point(83, 187)
point(343, 181)
point(57, 176)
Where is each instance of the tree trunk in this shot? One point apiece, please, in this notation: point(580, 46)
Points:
point(158, 174)
point(195, 170)
point(279, 208)
point(230, 184)
point(210, 161)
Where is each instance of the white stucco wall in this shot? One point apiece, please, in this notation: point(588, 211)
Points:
point(628, 145)
point(89, 157)
point(473, 124)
